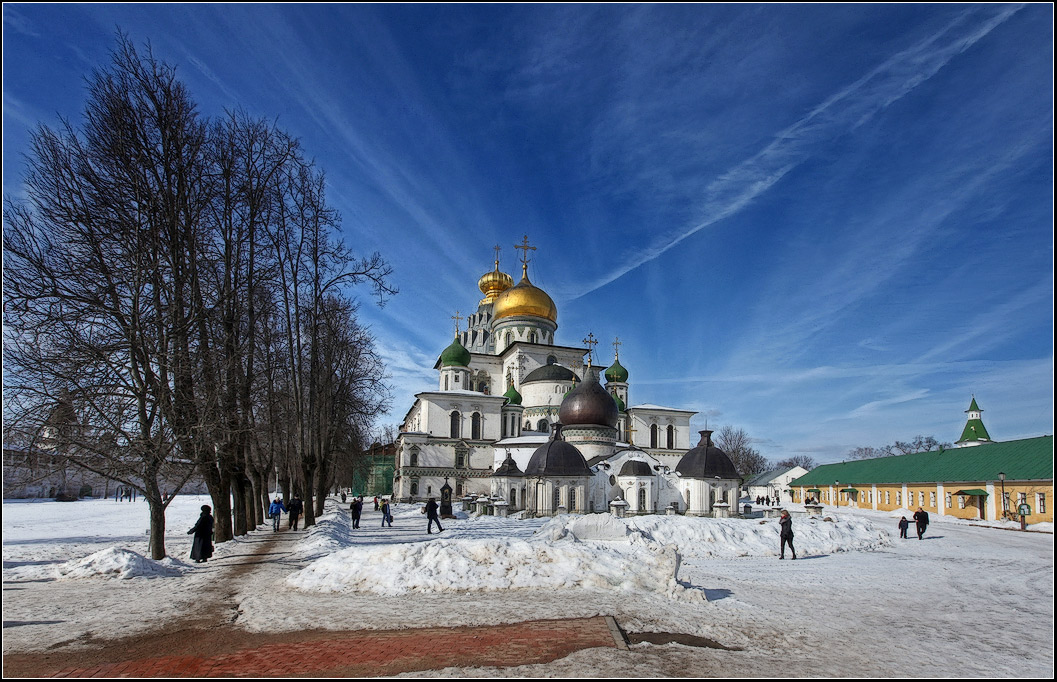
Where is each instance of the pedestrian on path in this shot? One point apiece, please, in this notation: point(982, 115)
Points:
point(387, 515)
point(376, 503)
point(432, 515)
point(786, 522)
point(202, 545)
point(296, 508)
point(274, 511)
point(903, 525)
point(356, 508)
point(921, 520)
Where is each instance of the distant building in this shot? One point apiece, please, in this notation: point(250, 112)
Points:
point(987, 481)
point(773, 484)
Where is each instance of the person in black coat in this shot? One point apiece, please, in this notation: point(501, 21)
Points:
point(432, 515)
point(786, 522)
point(356, 508)
point(921, 519)
point(202, 545)
point(295, 510)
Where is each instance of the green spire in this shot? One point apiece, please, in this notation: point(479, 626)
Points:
point(974, 430)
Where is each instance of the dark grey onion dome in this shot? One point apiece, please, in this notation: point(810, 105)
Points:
point(635, 467)
point(589, 403)
point(508, 468)
point(706, 461)
point(557, 457)
point(550, 373)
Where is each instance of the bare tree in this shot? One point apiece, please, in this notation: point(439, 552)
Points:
point(899, 447)
point(736, 443)
point(804, 461)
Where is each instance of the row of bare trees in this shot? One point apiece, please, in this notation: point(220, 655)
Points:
point(179, 285)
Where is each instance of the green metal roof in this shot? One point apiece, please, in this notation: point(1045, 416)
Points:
point(1030, 459)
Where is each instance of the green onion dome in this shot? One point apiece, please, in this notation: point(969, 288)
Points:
point(616, 373)
point(620, 403)
point(455, 355)
point(512, 396)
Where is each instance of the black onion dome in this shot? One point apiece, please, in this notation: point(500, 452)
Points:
point(589, 403)
point(636, 467)
point(706, 461)
point(550, 373)
point(508, 468)
point(557, 457)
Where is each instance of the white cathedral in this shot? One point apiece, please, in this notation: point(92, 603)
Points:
point(520, 419)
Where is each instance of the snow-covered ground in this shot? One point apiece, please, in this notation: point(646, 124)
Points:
point(966, 601)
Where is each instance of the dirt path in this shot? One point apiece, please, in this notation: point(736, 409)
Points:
point(209, 642)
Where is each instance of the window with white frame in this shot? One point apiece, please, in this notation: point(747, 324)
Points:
point(950, 501)
point(1040, 503)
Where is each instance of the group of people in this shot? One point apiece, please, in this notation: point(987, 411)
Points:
point(921, 521)
point(765, 500)
point(431, 510)
point(276, 509)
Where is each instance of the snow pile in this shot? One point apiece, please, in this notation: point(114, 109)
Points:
point(115, 562)
point(327, 536)
point(492, 564)
point(724, 538)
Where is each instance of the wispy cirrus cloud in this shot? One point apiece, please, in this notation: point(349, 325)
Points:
point(841, 113)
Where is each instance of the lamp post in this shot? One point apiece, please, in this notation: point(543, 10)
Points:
point(1002, 477)
point(837, 485)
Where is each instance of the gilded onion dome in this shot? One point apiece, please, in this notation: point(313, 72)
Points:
point(494, 283)
point(525, 299)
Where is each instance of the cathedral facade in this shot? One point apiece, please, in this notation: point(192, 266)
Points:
point(523, 419)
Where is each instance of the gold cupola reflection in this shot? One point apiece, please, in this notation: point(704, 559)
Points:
point(524, 298)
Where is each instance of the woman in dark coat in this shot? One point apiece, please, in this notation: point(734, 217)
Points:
point(202, 547)
point(786, 536)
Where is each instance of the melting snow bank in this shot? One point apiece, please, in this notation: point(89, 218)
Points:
point(113, 562)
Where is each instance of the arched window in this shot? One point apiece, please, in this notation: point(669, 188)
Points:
point(642, 499)
point(475, 426)
point(572, 499)
point(543, 425)
point(653, 435)
point(513, 497)
point(532, 337)
point(445, 382)
point(414, 458)
point(456, 421)
point(414, 488)
point(671, 437)
point(557, 498)
point(551, 360)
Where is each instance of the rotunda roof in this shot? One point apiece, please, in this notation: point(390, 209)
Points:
point(550, 373)
point(557, 457)
point(508, 467)
point(705, 460)
point(636, 467)
point(588, 403)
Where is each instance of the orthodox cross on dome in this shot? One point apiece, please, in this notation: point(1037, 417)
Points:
point(458, 318)
point(524, 246)
point(590, 342)
point(497, 249)
point(616, 347)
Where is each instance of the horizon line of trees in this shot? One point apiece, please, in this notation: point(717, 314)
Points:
point(177, 299)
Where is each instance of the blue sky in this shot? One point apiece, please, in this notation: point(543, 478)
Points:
point(829, 225)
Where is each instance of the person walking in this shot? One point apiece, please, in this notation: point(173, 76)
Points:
point(202, 545)
point(921, 520)
point(786, 535)
point(356, 508)
point(432, 515)
point(376, 503)
point(387, 515)
point(903, 525)
point(297, 507)
point(274, 511)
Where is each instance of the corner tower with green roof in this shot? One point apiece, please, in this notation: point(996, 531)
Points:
point(974, 432)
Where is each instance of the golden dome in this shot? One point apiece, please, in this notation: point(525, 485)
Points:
point(525, 299)
point(494, 283)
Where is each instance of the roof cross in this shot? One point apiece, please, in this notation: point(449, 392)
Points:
point(590, 342)
point(458, 318)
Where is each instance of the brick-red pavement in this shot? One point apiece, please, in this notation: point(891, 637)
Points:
point(379, 653)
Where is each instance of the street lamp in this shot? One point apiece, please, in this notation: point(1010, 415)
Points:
point(1002, 477)
point(837, 485)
